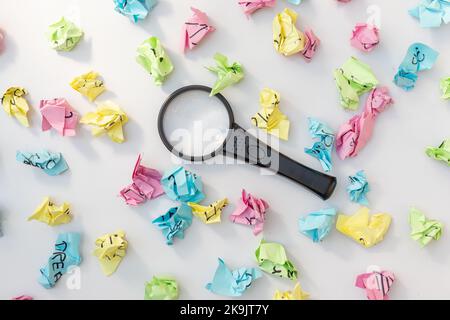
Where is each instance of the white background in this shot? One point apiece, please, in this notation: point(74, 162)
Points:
point(400, 174)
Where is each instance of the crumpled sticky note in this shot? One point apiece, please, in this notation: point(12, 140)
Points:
point(272, 258)
point(424, 230)
point(22, 297)
point(431, 13)
point(227, 75)
point(52, 163)
point(152, 56)
point(287, 39)
point(419, 57)
point(174, 222)
point(135, 10)
point(232, 283)
point(251, 6)
point(365, 37)
point(312, 42)
point(363, 228)
point(65, 255)
point(146, 185)
point(352, 80)
point(377, 284)
point(107, 118)
point(316, 225)
point(52, 214)
point(321, 150)
point(353, 135)
point(445, 88)
point(250, 211)
point(441, 153)
point(195, 29)
point(161, 288)
point(296, 294)
point(110, 249)
point(88, 85)
point(269, 116)
point(15, 104)
point(405, 79)
point(209, 214)
point(59, 115)
point(182, 185)
point(358, 188)
point(64, 35)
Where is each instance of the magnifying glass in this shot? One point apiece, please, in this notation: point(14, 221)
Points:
point(196, 127)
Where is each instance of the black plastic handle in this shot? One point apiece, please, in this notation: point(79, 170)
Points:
point(242, 145)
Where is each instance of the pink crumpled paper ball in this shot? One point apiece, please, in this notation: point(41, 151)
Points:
point(312, 42)
point(365, 37)
point(22, 297)
point(250, 211)
point(377, 284)
point(356, 132)
point(251, 6)
point(58, 114)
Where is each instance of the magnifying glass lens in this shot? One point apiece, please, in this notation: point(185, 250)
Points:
point(196, 124)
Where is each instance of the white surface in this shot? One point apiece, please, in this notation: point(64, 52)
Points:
point(400, 174)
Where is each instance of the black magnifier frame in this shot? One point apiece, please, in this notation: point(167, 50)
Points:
point(162, 113)
point(241, 145)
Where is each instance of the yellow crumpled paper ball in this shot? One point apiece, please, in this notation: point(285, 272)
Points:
point(269, 116)
point(110, 249)
point(88, 85)
point(363, 228)
point(52, 214)
point(107, 118)
point(16, 105)
point(287, 39)
point(209, 214)
point(296, 294)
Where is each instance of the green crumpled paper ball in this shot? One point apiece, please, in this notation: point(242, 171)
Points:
point(440, 153)
point(227, 74)
point(163, 288)
point(64, 35)
point(154, 59)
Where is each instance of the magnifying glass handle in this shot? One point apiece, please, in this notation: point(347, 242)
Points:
point(242, 145)
point(321, 184)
